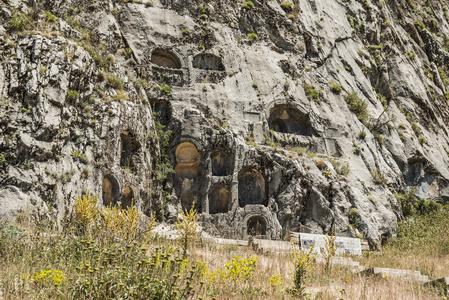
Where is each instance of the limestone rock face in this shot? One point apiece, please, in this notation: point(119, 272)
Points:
point(272, 117)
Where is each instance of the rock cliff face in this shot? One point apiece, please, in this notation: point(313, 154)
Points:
point(274, 115)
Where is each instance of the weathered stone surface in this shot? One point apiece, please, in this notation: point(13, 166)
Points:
point(76, 114)
point(397, 274)
point(14, 202)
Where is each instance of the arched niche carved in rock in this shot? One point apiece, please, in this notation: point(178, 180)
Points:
point(287, 119)
point(205, 61)
point(128, 147)
point(256, 226)
point(110, 190)
point(191, 198)
point(219, 200)
point(127, 197)
point(188, 159)
point(166, 59)
point(251, 187)
point(221, 163)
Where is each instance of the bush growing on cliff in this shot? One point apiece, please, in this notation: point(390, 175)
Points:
point(286, 5)
point(72, 95)
point(19, 22)
point(408, 202)
point(336, 88)
point(342, 169)
point(248, 5)
point(379, 177)
point(49, 17)
point(411, 205)
point(357, 106)
point(311, 92)
point(252, 36)
point(113, 81)
point(354, 217)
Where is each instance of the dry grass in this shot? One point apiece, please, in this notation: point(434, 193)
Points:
point(339, 282)
point(21, 253)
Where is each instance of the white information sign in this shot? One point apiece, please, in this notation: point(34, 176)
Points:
point(345, 245)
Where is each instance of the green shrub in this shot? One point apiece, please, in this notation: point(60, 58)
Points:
point(362, 135)
point(354, 217)
point(252, 36)
point(165, 89)
point(248, 5)
point(378, 177)
point(311, 93)
point(49, 17)
point(342, 169)
point(311, 155)
point(422, 140)
point(425, 207)
point(380, 138)
point(2, 159)
point(335, 88)
point(426, 234)
point(19, 22)
point(415, 128)
point(401, 136)
point(114, 81)
point(357, 106)
point(408, 202)
point(100, 57)
point(409, 116)
point(300, 150)
point(72, 95)
point(410, 54)
point(286, 5)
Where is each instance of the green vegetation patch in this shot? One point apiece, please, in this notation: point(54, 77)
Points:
point(357, 106)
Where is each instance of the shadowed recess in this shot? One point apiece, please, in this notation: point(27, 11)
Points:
point(256, 226)
point(188, 199)
point(163, 112)
point(187, 158)
point(110, 190)
point(127, 198)
point(251, 187)
point(166, 59)
point(290, 120)
point(221, 163)
point(208, 62)
point(219, 200)
point(128, 147)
